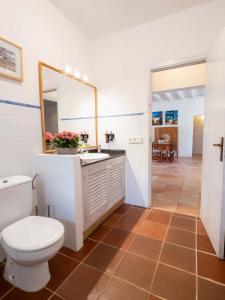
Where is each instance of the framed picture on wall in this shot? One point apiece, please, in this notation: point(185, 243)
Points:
point(157, 118)
point(11, 60)
point(171, 117)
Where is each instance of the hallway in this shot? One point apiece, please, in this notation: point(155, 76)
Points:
point(176, 186)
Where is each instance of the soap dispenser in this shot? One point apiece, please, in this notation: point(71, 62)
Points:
point(84, 137)
point(109, 137)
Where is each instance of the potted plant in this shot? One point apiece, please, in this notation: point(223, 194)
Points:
point(48, 137)
point(66, 142)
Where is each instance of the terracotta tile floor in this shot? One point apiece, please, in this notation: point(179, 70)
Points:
point(176, 186)
point(167, 256)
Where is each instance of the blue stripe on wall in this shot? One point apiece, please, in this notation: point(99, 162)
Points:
point(10, 102)
point(107, 116)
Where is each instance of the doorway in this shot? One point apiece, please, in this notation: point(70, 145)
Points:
point(177, 137)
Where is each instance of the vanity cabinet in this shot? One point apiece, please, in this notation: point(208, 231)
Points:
point(103, 187)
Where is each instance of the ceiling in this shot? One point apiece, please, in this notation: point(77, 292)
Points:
point(100, 18)
point(180, 94)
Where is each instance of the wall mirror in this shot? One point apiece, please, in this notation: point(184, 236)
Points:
point(67, 104)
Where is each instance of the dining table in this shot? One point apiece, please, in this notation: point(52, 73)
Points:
point(163, 151)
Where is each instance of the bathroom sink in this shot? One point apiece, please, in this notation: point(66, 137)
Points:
point(88, 157)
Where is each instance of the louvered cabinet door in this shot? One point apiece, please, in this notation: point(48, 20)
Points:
point(95, 192)
point(116, 180)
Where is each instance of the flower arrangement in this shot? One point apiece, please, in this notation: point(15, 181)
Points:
point(66, 139)
point(66, 142)
point(48, 137)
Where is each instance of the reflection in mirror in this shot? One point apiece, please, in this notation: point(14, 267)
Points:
point(68, 104)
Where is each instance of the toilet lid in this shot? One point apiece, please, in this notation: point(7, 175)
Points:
point(32, 233)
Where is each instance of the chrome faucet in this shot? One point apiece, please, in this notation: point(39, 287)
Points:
point(99, 148)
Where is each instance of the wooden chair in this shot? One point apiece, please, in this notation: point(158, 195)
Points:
point(165, 151)
point(173, 152)
point(156, 153)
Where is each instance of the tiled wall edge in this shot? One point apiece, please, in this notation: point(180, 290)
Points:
point(106, 116)
point(10, 102)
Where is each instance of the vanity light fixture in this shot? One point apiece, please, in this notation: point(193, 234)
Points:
point(67, 69)
point(77, 74)
point(85, 78)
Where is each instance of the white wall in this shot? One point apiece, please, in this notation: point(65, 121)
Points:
point(187, 109)
point(122, 72)
point(45, 34)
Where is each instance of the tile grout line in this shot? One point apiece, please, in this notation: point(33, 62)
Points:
point(126, 251)
point(145, 257)
point(80, 263)
point(179, 269)
point(211, 280)
point(160, 253)
point(9, 291)
point(116, 277)
point(179, 245)
point(195, 249)
point(53, 293)
point(70, 256)
point(196, 260)
point(120, 260)
point(182, 228)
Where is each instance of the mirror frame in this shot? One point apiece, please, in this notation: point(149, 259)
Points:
point(40, 69)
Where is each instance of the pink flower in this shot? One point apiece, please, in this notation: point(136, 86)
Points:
point(66, 135)
point(48, 136)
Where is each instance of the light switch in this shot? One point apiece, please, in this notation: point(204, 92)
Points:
point(135, 140)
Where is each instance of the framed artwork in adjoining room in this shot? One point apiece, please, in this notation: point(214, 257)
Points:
point(171, 117)
point(157, 118)
point(11, 60)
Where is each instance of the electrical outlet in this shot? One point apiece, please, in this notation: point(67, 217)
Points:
point(135, 140)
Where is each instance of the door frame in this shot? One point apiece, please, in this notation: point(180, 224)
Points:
point(172, 64)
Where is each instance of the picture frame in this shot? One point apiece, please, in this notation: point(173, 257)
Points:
point(157, 118)
point(171, 117)
point(11, 60)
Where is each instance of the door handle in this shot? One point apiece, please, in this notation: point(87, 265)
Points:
point(220, 145)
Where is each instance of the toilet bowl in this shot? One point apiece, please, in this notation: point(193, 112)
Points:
point(29, 243)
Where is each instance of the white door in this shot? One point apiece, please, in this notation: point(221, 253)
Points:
point(213, 182)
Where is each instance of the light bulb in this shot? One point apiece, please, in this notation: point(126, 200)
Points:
point(77, 74)
point(68, 69)
point(85, 78)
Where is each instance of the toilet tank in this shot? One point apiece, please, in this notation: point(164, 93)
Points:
point(15, 199)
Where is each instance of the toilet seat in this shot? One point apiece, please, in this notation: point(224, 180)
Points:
point(33, 233)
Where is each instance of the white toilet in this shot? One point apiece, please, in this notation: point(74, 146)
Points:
point(28, 241)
